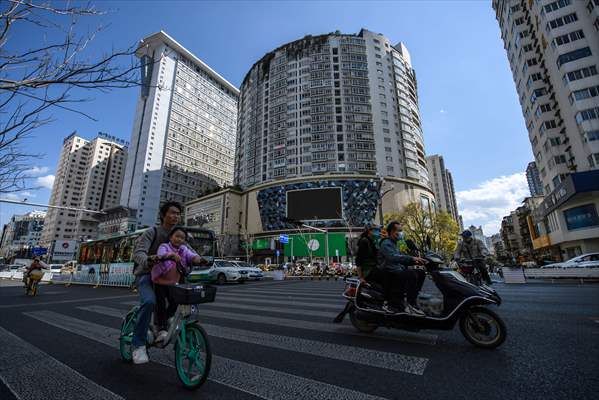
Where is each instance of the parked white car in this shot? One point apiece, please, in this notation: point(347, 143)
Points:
point(221, 272)
point(254, 273)
point(589, 260)
point(55, 268)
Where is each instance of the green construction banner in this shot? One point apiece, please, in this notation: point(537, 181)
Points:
point(315, 243)
point(261, 244)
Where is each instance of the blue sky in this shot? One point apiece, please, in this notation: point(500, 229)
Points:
point(468, 102)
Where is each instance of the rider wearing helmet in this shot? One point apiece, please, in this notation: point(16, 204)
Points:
point(37, 264)
point(471, 248)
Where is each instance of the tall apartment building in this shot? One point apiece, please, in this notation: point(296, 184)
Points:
point(534, 179)
point(553, 50)
point(331, 104)
point(89, 176)
point(22, 233)
point(183, 137)
point(442, 184)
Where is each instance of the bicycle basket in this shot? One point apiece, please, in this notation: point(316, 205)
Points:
point(190, 293)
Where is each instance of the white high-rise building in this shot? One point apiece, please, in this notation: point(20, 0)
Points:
point(553, 50)
point(184, 130)
point(89, 176)
point(442, 184)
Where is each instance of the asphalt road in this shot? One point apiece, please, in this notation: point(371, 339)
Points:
point(275, 340)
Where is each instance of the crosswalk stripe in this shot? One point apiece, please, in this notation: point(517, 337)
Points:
point(403, 336)
point(250, 307)
point(79, 300)
point(283, 310)
point(235, 300)
point(22, 366)
point(380, 359)
point(259, 381)
point(339, 300)
point(292, 294)
point(419, 338)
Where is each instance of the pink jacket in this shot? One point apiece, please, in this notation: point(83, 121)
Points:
point(165, 273)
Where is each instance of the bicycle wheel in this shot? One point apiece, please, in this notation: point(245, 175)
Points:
point(192, 356)
point(127, 327)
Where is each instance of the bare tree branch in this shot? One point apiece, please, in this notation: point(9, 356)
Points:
point(42, 77)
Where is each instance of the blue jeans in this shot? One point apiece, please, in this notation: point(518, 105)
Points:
point(144, 315)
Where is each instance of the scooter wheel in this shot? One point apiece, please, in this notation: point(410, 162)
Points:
point(483, 328)
point(360, 325)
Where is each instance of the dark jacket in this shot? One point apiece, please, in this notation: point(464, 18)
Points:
point(469, 250)
point(389, 257)
point(366, 258)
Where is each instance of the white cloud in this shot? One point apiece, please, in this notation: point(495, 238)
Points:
point(491, 200)
point(442, 111)
point(18, 195)
point(37, 171)
point(45, 181)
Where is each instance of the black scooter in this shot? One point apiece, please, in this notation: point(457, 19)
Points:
point(462, 302)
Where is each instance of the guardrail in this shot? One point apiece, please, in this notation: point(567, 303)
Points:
point(562, 273)
point(94, 279)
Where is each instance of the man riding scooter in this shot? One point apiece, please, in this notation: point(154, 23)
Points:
point(36, 265)
point(400, 281)
point(473, 249)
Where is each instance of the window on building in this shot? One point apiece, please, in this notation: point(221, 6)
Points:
point(583, 94)
point(585, 115)
point(581, 217)
point(580, 74)
point(561, 21)
point(556, 5)
point(573, 56)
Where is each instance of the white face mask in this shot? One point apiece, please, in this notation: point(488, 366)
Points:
point(401, 235)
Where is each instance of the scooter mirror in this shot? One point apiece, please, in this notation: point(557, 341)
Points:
point(412, 246)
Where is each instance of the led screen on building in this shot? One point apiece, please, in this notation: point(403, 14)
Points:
point(314, 204)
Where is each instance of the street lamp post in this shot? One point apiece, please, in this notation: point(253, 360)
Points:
point(381, 220)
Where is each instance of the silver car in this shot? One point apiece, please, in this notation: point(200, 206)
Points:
point(589, 260)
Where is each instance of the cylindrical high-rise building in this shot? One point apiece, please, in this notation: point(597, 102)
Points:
point(332, 103)
point(332, 111)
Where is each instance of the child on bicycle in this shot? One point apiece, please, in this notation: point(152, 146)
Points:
point(176, 262)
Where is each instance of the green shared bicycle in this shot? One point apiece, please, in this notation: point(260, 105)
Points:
point(192, 349)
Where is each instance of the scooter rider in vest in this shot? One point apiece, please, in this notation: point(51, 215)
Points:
point(400, 281)
point(471, 248)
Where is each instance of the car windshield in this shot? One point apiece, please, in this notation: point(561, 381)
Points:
point(225, 264)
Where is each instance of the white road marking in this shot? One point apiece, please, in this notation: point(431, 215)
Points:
point(259, 381)
point(373, 358)
point(80, 300)
point(22, 365)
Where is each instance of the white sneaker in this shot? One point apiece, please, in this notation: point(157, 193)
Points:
point(161, 336)
point(414, 311)
point(140, 355)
